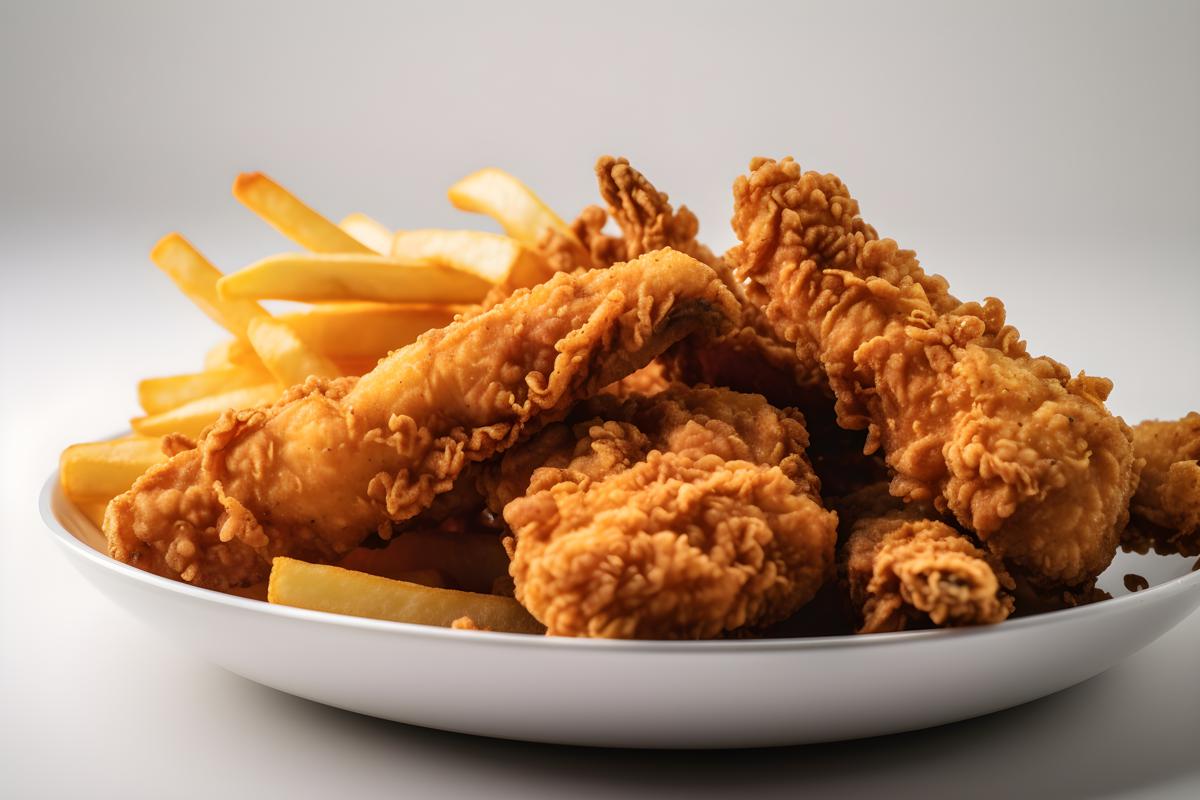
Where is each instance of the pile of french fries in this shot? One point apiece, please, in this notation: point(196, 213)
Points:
point(370, 290)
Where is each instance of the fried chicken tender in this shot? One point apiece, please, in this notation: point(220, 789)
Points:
point(1166, 506)
point(1021, 453)
point(904, 568)
point(683, 515)
point(647, 381)
point(645, 216)
point(749, 357)
point(334, 461)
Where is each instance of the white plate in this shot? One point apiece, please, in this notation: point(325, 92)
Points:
point(643, 694)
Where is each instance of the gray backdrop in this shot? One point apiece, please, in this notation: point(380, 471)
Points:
point(1043, 153)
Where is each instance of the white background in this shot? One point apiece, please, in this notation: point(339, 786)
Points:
point(1043, 153)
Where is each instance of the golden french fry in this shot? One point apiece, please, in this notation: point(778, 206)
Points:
point(471, 560)
point(343, 591)
point(492, 257)
point(232, 354)
point(102, 470)
point(159, 395)
point(370, 232)
point(93, 510)
point(365, 331)
point(193, 273)
point(285, 356)
point(284, 212)
point(505, 199)
point(192, 418)
point(317, 278)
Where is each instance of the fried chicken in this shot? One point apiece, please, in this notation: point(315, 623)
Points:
point(683, 515)
point(904, 568)
point(1021, 453)
point(646, 381)
point(1166, 507)
point(333, 461)
point(749, 357)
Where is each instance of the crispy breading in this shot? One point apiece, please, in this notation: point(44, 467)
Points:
point(1166, 507)
point(1021, 453)
point(314, 474)
point(902, 567)
point(684, 515)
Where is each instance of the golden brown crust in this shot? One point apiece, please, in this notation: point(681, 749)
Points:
point(750, 357)
point(1166, 507)
point(313, 474)
point(647, 381)
point(1020, 453)
point(904, 571)
point(902, 568)
point(644, 214)
point(684, 515)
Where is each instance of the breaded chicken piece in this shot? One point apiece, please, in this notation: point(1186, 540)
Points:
point(1021, 453)
point(749, 357)
point(904, 568)
point(683, 515)
point(645, 216)
point(1166, 507)
point(332, 462)
point(646, 381)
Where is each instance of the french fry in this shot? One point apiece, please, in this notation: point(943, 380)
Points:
point(285, 356)
point(192, 418)
point(289, 356)
point(93, 510)
point(193, 273)
point(471, 560)
point(342, 591)
point(365, 331)
point(284, 212)
point(505, 199)
point(232, 353)
point(370, 232)
point(318, 278)
point(492, 257)
point(159, 395)
point(99, 471)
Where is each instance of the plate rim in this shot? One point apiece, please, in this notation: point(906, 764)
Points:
point(64, 538)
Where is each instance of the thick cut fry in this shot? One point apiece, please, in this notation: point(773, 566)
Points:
point(93, 510)
point(343, 591)
point(232, 353)
point(192, 418)
point(492, 257)
point(502, 197)
point(318, 278)
point(102, 470)
point(372, 233)
point(193, 273)
point(505, 199)
point(473, 561)
point(365, 331)
point(284, 212)
point(159, 395)
point(285, 356)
